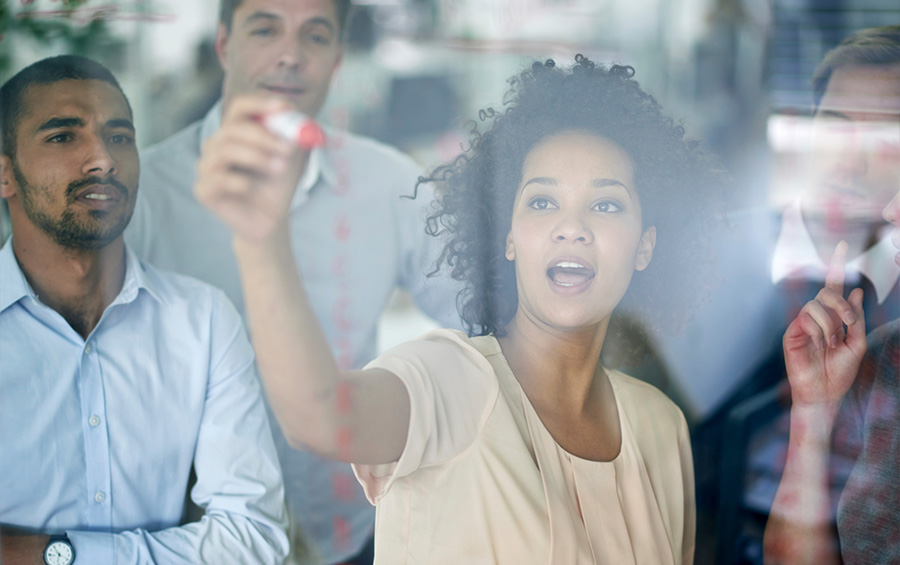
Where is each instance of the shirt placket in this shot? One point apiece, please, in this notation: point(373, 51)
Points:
point(96, 437)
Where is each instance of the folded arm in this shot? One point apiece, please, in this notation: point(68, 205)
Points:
point(238, 476)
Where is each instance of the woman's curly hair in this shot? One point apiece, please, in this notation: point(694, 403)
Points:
point(677, 184)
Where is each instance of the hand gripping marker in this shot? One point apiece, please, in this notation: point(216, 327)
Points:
point(295, 127)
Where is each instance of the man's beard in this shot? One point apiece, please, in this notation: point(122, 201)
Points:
point(67, 231)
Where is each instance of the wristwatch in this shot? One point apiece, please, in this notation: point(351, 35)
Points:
point(59, 551)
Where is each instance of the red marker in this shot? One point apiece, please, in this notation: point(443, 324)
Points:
point(295, 127)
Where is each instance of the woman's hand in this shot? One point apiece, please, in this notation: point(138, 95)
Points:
point(246, 174)
point(821, 358)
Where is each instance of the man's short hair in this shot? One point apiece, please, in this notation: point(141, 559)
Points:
point(45, 71)
point(874, 46)
point(228, 7)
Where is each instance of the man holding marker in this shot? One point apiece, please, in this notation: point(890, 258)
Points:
point(288, 50)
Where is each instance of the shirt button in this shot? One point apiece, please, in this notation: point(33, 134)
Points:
point(88, 349)
point(100, 497)
point(94, 421)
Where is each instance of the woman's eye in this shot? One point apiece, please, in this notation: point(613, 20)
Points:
point(607, 206)
point(541, 204)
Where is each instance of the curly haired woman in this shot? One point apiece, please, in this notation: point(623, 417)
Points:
point(515, 445)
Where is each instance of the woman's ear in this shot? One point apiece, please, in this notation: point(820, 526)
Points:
point(645, 249)
point(510, 248)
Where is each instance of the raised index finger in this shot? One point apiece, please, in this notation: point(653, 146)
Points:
point(835, 277)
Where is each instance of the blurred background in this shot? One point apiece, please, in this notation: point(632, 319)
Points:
point(416, 71)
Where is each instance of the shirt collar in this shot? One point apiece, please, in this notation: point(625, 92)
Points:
point(795, 256)
point(137, 278)
point(320, 165)
point(14, 285)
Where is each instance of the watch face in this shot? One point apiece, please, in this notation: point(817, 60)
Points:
point(59, 553)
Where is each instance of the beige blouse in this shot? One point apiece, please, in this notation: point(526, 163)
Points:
point(481, 480)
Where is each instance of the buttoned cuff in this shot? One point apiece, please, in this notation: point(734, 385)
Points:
point(93, 547)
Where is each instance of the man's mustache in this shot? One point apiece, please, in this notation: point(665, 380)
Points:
point(77, 185)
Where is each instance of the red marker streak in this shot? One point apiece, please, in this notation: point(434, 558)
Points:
point(88, 14)
point(343, 487)
point(344, 398)
point(344, 439)
point(345, 352)
point(342, 228)
point(339, 266)
point(341, 320)
point(341, 533)
point(342, 188)
point(345, 361)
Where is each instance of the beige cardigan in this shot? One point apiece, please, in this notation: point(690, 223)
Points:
point(482, 481)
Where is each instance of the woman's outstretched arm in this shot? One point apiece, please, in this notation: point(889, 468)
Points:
point(822, 361)
point(247, 176)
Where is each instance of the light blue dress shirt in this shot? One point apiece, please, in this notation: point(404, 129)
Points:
point(355, 239)
point(99, 435)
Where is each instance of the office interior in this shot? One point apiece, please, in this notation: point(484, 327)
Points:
point(415, 73)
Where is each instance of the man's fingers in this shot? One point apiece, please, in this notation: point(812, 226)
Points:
point(831, 312)
point(856, 332)
point(810, 327)
point(828, 321)
point(832, 300)
point(835, 277)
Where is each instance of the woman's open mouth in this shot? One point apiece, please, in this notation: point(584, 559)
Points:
point(570, 274)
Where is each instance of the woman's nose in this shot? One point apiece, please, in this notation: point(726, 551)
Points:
point(573, 228)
